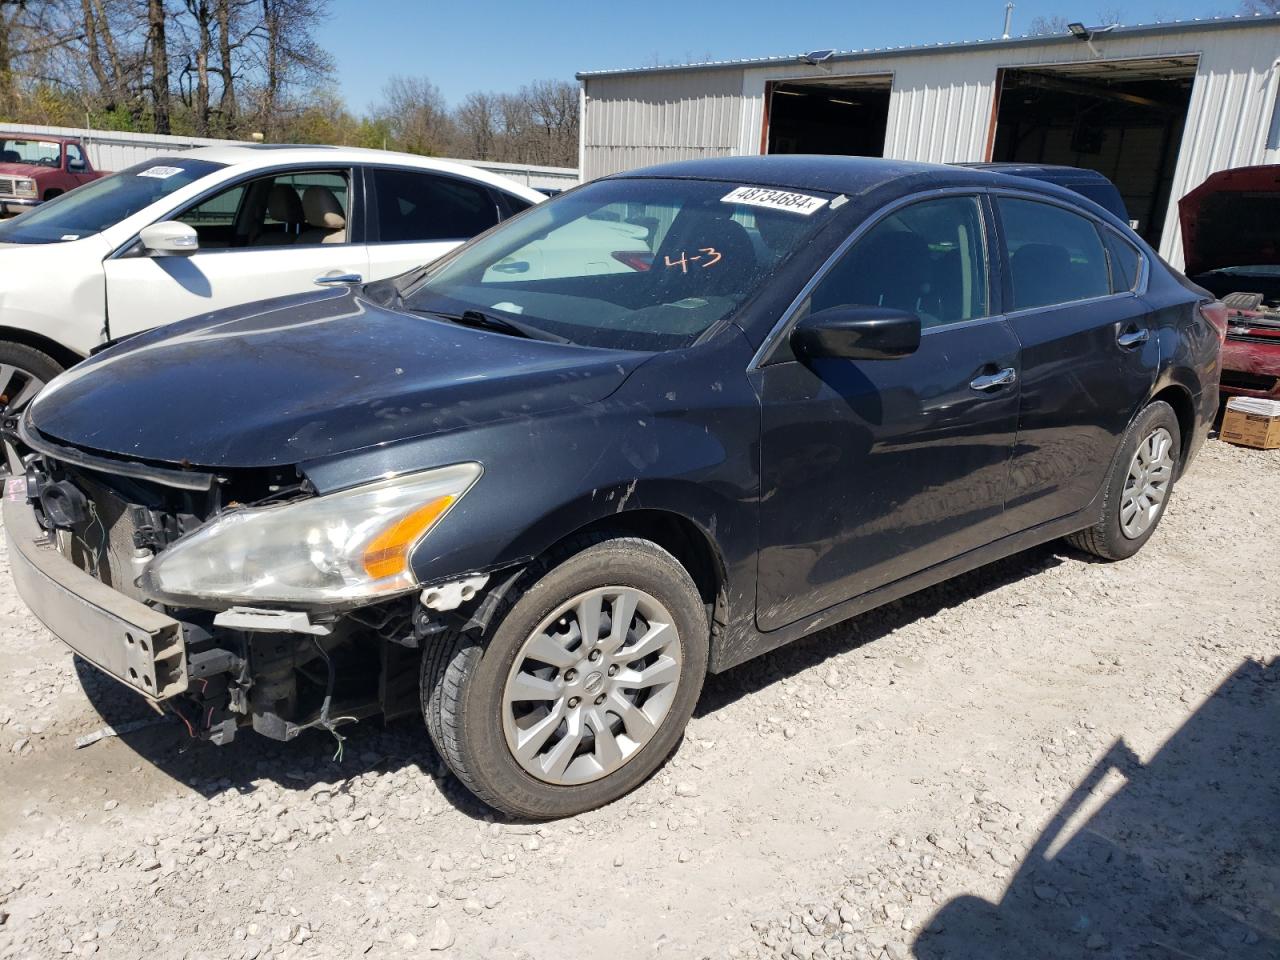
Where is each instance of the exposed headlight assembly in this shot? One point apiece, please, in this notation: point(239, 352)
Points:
point(24, 188)
point(331, 550)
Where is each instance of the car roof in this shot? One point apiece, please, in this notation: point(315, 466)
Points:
point(854, 175)
point(251, 155)
point(1058, 172)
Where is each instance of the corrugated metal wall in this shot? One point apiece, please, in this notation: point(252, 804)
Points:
point(111, 150)
point(941, 104)
point(635, 121)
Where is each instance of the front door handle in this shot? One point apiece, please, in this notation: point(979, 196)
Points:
point(339, 278)
point(989, 381)
point(1131, 338)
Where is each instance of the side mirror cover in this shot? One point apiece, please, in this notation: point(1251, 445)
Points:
point(169, 238)
point(856, 333)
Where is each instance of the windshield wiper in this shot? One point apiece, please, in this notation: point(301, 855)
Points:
point(487, 321)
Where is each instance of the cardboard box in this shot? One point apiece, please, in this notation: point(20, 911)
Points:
point(1250, 422)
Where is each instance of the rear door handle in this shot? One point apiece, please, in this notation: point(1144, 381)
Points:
point(1131, 338)
point(989, 381)
point(334, 278)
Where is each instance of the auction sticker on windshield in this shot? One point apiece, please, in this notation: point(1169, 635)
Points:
point(800, 203)
point(160, 173)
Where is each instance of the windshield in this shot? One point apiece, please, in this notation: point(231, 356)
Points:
point(42, 153)
point(634, 264)
point(95, 206)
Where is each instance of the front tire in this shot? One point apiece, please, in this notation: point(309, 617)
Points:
point(553, 710)
point(1138, 486)
point(23, 373)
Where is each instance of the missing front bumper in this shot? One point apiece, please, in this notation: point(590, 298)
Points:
point(128, 640)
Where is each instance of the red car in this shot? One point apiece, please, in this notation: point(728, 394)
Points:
point(35, 168)
point(1231, 237)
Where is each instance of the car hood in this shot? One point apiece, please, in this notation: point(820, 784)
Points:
point(24, 169)
point(1230, 220)
point(311, 376)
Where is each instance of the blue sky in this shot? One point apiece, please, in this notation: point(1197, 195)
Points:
point(466, 45)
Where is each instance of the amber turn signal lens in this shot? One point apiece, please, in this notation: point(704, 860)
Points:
point(388, 552)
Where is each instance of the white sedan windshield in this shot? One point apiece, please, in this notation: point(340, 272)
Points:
point(95, 206)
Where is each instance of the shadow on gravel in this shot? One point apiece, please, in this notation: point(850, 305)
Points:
point(1182, 862)
point(754, 675)
point(368, 747)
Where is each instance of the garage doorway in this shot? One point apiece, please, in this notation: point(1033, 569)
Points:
point(1122, 118)
point(838, 115)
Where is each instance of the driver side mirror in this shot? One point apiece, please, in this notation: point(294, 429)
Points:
point(856, 333)
point(169, 238)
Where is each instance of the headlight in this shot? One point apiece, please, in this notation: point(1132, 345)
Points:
point(345, 546)
point(24, 188)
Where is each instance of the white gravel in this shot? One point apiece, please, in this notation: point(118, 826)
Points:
point(877, 790)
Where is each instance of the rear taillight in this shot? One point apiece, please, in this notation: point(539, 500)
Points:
point(639, 261)
point(1215, 311)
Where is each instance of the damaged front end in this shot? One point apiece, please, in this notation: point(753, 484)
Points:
point(235, 598)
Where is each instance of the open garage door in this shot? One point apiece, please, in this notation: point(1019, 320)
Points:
point(1123, 118)
point(839, 115)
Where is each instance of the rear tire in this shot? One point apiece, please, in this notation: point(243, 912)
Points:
point(1138, 486)
point(614, 717)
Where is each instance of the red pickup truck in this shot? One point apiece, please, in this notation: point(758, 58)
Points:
point(35, 168)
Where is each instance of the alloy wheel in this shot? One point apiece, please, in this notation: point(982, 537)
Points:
point(591, 685)
point(1147, 485)
point(18, 388)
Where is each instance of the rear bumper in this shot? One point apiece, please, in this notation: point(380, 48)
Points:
point(128, 640)
point(1251, 368)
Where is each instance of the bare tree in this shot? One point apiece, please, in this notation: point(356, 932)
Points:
point(553, 108)
point(158, 49)
point(416, 115)
point(290, 57)
point(1260, 6)
point(226, 17)
point(477, 122)
point(197, 49)
point(1040, 26)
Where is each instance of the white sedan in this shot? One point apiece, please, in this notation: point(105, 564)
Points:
point(220, 226)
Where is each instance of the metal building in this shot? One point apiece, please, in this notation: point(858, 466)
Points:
point(1156, 108)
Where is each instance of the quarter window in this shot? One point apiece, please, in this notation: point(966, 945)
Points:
point(424, 207)
point(1124, 260)
point(1055, 256)
point(928, 258)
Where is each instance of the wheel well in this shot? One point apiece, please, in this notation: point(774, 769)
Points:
point(680, 537)
point(1185, 411)
point(66, 357)
point(50, 194)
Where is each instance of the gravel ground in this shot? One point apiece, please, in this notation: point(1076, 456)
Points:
point(1048, 757)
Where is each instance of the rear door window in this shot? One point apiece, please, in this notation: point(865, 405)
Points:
point(1055, 256)
point(928, 258)
point(415, 206)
